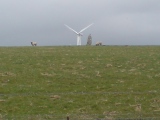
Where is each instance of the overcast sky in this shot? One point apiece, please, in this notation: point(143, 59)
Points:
point(116, 22)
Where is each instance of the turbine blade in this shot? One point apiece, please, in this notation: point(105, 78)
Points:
point(71, 29)
point(86, 28)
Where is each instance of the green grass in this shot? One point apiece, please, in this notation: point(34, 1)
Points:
point(85, 82)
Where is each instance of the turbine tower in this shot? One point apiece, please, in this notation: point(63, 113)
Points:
point(79, 34)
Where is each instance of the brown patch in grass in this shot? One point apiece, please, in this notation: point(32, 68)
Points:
point(55, 97)
point(158, 110)
point(47, 74)
point(110, 115)
point(7, 74)
point(98, 74)
point(116, 104)
point(137, 107)
point(109, 65)
point(2, 100)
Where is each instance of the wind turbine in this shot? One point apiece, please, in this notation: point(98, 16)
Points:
point(79, 34)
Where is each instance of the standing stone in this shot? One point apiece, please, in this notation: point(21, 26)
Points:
point(89, 41)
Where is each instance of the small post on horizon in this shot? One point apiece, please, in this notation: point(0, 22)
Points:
point(67, 117)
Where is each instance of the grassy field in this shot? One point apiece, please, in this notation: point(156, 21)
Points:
point(85, 82)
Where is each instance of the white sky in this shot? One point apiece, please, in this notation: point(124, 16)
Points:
point(116, 22)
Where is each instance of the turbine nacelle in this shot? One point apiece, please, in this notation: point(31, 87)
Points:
point(79, 34)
